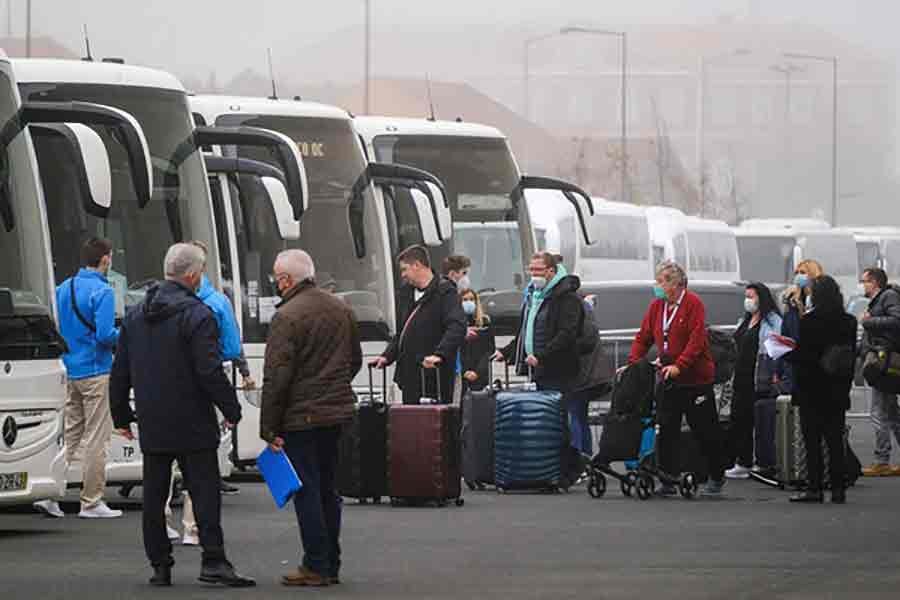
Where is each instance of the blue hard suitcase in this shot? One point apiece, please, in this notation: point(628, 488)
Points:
point(530, 441)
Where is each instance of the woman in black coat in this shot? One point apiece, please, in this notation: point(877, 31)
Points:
point(475, 354)
point(823, 399)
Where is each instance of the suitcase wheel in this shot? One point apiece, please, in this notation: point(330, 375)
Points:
point(597, 485)
point(460, 501)
point(688, 486)
point(645, 487)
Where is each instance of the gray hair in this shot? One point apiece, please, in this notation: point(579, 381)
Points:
point(671, 270)
point(183, 260)
point(296, 263)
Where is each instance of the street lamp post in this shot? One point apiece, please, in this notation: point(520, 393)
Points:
point(834, 123)
point(701, 117)
point(623, 39)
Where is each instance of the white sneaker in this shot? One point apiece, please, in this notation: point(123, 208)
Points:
point(738, 472)
point(99, 511)
point(50, 508)
point(173, 534)
point(190, 539)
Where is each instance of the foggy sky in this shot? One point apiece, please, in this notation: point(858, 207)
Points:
point(196, 37)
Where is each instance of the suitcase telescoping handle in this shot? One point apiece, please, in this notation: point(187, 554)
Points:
point(437, 377)
point(372, 385)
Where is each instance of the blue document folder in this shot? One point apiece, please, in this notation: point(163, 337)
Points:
point(280, 476)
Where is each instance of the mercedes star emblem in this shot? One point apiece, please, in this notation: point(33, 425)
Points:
point(10, 432)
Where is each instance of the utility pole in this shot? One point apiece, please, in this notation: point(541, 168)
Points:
point(367, 93)
point(27, 29)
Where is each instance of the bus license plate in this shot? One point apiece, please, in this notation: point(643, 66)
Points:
point(13, 482)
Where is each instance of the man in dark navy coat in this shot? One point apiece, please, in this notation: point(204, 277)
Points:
point(168, 353)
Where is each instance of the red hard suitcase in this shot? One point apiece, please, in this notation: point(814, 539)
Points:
point(423, 454)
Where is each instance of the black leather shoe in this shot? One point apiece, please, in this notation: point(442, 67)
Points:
point(223, 573)
point(808, 496)
point(838, 497)
point(162, 576)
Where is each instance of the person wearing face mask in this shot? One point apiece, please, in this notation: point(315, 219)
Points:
point(455, 268)
point(552, 317)
point(755, 377)
point(675, 323)
point(431, 328)
point(87, 322)
point(168, 355)
point(797, 302)
point(475, 354)
point(881, 323)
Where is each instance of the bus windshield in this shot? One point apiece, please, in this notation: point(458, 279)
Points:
point(868, 254)
point(836, 253)
point(892, 258)
point(712, 252)
point(767, 259)
point(479, 174)
point(28, 332)
point(495, 250)
point(179, 209)
point(341, 233)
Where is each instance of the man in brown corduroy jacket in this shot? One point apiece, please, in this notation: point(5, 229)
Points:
point(312, 354)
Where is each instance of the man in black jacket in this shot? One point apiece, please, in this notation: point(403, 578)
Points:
point(168, 353)
point(552, 318)
point(881, 323)
point(431, 328)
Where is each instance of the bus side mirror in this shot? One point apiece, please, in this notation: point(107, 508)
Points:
point(430, 236)
point(88, 157)
point(445, 221)
point(288, 226)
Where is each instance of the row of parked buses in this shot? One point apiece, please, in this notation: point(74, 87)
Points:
point(123, 152)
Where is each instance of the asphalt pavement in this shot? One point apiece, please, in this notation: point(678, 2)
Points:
point(749, 544)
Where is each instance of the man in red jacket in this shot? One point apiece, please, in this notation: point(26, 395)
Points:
point(675, 323)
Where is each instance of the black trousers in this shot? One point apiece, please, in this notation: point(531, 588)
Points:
point(740, 437)
point(699, 405)
point(816, 423)
point(201, 476)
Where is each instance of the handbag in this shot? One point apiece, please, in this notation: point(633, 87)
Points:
point(881, 370)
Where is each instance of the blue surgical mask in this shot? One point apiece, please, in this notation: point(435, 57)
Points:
point(801, 280)
point(659, 292)
point(468, 307)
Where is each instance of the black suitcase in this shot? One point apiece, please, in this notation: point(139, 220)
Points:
point(362, 463)
point(477, 436)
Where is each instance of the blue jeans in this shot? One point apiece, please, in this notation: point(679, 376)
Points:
point(314, 454)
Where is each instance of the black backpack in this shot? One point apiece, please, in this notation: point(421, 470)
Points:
point(724, 353)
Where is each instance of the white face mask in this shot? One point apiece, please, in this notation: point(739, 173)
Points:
point(750, 305)
point(468, 307)
point(538, 283)
point(464, 283)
